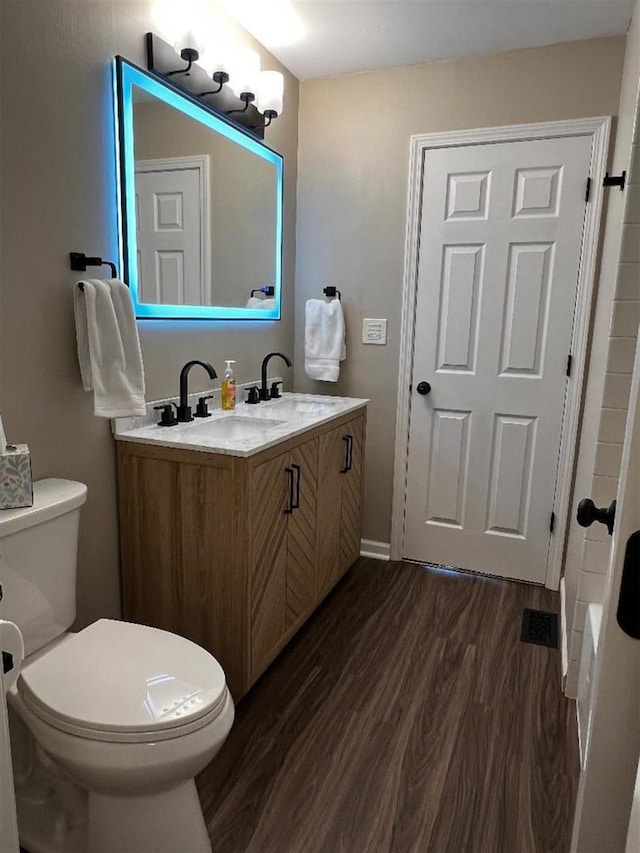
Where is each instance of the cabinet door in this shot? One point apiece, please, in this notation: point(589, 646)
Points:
point(268, 499)
point(301, 535)
point(331, 463)
point(351, 498)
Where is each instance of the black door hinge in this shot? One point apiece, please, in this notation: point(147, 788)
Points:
point(552, 522)
point(615, 180)
point(569, 364)
point(587, 193)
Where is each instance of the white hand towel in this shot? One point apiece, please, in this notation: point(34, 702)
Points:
point(109, 348)
point(267, 304)
point(324, 339)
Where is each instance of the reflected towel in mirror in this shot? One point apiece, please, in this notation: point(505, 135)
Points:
point(259, 302)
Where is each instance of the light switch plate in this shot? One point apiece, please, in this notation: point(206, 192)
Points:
point(374, 331)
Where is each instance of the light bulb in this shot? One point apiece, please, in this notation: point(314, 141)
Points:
point(270, 92)
point(216, 58)
point(245, 72)
point(181, 23)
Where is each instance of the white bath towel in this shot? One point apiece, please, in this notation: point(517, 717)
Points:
point(266, 303)
point(324, 341)
point(109, 348)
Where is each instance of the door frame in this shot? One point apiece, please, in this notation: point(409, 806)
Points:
point(598, 129)
point(604, 801)
point(200, 162)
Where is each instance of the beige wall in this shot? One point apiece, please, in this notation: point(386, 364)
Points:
point(611, 363)
point(58, 195)
point(353, 166)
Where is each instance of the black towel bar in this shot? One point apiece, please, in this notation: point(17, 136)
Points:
point(332, 292)
point(268, 290)
point(79, 262)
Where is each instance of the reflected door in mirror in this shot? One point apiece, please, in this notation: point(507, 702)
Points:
point(173, 239)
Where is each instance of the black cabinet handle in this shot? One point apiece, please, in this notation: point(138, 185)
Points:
point(423, 388)
point(348, 454)
point(588, 512)
point(296, 504)
point(291, 506)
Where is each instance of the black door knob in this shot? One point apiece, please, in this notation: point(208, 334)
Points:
point(588, 512)
point(423, 388)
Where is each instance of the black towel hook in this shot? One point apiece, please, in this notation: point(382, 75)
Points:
point(332, 292)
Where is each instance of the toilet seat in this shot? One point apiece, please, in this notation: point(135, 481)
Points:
point(131, 683)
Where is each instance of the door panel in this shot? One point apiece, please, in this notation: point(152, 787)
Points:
point(459, 304)
point(509, 492)
point(500, 245)
point(448, 467)
point(526, 312)
point(301, 536)
point(269, 497)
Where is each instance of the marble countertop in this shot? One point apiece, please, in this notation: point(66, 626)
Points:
point(247, 429)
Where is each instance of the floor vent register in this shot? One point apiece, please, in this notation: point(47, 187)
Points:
point(540, 627)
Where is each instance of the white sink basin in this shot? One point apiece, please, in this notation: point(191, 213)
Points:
point(235, 426)
point(304, 407)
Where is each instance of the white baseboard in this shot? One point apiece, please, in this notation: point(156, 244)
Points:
point(376, 550)
point(564, 639)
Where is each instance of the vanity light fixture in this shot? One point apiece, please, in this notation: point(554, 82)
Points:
point(248, 96)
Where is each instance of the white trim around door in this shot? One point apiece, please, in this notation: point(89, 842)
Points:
point(598, 130)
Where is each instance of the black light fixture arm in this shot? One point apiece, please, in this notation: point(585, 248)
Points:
point(247, 98)
point(219, 77)
point(269, 116)
point(190, 55)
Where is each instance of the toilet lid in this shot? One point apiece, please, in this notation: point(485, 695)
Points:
point(118, 677)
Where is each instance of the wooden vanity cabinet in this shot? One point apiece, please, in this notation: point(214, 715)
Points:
point(235, 553)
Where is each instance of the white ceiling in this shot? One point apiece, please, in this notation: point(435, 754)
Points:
point(341, 36)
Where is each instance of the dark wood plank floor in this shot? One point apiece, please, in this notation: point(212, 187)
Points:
point(406, 717)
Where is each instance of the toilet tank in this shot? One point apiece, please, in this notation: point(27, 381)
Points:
point(38, 551)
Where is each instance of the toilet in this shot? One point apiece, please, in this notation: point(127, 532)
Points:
point(109, 726)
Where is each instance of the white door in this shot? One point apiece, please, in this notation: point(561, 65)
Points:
point(605, 818)
point(169, 216)
point(500, 246)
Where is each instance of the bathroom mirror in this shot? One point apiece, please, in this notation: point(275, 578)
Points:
point(201, 207)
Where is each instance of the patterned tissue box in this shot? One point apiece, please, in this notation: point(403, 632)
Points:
point(16, 484)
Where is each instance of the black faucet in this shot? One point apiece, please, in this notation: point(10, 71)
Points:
point(264, 391)
point(184, 410)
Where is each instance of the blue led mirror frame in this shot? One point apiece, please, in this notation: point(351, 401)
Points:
point(128, 76)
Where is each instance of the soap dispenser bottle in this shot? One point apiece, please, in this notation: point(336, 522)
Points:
point(228, 388)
